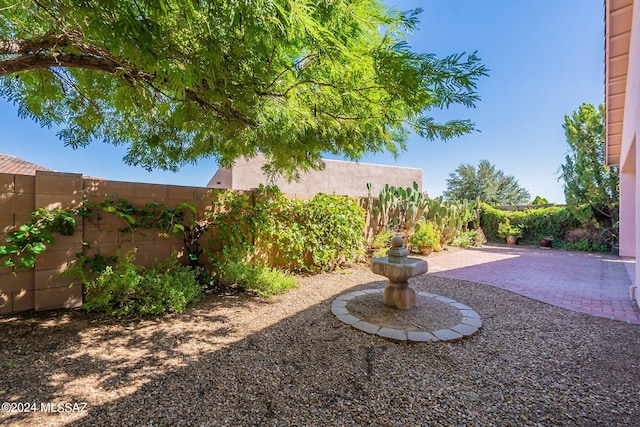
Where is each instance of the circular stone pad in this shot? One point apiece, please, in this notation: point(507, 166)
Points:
point(434, 318)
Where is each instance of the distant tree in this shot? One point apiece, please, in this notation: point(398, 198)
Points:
point(587, 180)
point(540, 201)
point(180, 80)
point(492, 186)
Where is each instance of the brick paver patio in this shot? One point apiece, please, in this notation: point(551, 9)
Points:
point(596, 284)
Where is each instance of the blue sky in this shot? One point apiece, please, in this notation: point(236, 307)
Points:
point(545, 59)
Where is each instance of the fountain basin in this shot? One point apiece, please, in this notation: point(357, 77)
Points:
point(398, 272)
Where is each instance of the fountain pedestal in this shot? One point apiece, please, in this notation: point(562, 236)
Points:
point(398, 268)
point(399, 295)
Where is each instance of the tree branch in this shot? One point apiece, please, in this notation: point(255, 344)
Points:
point(26, 46)
point(300, 63)
point(340, 117)
point(37, 61)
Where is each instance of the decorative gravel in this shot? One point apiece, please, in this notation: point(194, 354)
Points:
point(288, 361)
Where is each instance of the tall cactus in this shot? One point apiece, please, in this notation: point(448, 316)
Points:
point(399, 209)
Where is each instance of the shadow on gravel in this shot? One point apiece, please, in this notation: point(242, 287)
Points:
point(532, 363)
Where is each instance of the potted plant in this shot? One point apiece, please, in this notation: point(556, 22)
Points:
point(511, 233)
point(546, 242)
point(424, 238)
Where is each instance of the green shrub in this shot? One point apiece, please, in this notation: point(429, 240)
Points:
point(470, 238)
point(425, 236)
point(582, 245)
point(587, 246)
point(29, 240)
point(315, 234)
point(381, 252)
point(265, 281)
point(382, 240)
point(506, 229)
point(126, 288)
point(335, 229)
point(490, 219)
point(168, 287)
point(555, 221)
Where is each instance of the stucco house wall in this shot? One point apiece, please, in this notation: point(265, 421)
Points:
point(622, 78)
point(629, 242)
point(339, 177)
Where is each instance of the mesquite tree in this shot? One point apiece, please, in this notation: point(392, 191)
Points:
point(180, 80)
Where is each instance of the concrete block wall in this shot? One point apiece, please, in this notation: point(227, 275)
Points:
point(51, 290)
point(17, 200)
point(43, 288)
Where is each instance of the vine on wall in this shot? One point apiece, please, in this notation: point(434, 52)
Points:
point(31, 239)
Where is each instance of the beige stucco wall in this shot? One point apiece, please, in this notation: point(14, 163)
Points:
point(629, 182)
point(339, 177)
point(221, 179)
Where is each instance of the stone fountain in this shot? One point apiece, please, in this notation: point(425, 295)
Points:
point(353, 308)
point(398, 268)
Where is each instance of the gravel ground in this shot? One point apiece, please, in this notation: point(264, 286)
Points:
point(287, 361)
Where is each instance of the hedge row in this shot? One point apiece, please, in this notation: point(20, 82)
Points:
point(554, 221)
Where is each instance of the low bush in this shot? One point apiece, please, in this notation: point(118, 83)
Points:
point(425, 236)
point(380, 252)
point(264, 281)
point(588, 239)
point(587, 246)
point(382, 240)
point(469, 238)
point(508, 231)
point(125, 288)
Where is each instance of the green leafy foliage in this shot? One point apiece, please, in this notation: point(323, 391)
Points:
point(31, 239)
point(425, 236)
point(382, 240)
point(126, 288)
point(264, 281)
point(380, 252)
point(490, 218)
point(506, 229)
point(485, 183)
point(540, 201)
point(177, 81)
point(588, 181)
point(315, 234)
point(180, 221)
point(553, 221)
point(469, 238)
point(586, 245)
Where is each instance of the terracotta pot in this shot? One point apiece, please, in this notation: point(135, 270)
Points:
point(511, 240)
point(426, 250)
point(545, 243)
